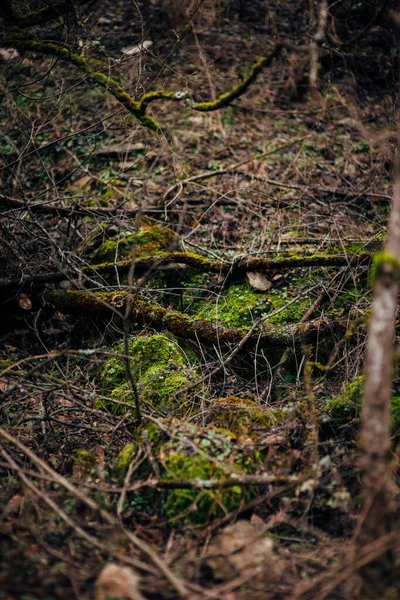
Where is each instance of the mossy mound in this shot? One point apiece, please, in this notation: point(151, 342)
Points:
point(150, 240)
point(159, 367)
point(189, 453)
point(237, 308)
point(83, 463)
point(347, 407)
point(124, 459)
point(243, 417)
point(241, 305)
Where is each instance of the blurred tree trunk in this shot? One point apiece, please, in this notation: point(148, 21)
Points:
point(378, 484)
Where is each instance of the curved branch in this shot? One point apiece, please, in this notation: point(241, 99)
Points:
point(228, 97)
point(138, 108)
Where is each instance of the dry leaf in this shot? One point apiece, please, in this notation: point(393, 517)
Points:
point(258, 281)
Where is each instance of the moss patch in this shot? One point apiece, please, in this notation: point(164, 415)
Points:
point(243, 417)
point(347, 406)
point(159, 367)
point(150, 240)
point(124, 459)
point(195, 454)
point(238, 308)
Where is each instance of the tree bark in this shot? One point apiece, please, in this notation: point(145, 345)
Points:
point(375, 463)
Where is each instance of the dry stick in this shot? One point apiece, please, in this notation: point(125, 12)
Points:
point(332, 191)
point(323, 585)
point(142, 546)
point(234, 479)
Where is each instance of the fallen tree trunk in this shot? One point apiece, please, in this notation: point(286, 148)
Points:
point(104, 304)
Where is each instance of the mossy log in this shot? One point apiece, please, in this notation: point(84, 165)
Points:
point(266, 334)
point(237, 267)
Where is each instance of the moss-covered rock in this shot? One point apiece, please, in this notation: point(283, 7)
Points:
point(150, 240)
point(243, 417)
point(194, 454)
point(159, 367)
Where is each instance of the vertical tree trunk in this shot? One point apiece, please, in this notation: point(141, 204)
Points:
point(378, 487)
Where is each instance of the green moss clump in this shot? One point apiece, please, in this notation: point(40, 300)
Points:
point(124, 458)
point(238, 308)
point(381, 260)
point(242, 305)
point(395, 412)
point(347, 406)
point(146, 351)
point(243, 417)
point(159, 367)
point(83, 463)
point(293, 313)
point(196, 454)
point(152, 239)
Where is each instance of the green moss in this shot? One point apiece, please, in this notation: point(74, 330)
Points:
point(241, 305)
point(197, 454)
point(152, 239)
point(293, 313)
point(124, 459)
point(238, 308)
point(243, 417)
point(146, 352)
point(380, 261)
point(159, 367)
point(83, 463)
point(347, 406)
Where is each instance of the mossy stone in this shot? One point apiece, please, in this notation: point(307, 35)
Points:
point(198, 454)
point(243, 417)
point(159, 367)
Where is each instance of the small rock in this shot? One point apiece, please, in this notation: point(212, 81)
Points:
point(258, 281)
point(117, 582)
point(242, 550)
point(7, 54)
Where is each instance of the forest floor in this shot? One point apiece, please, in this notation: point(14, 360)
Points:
point(249, 374)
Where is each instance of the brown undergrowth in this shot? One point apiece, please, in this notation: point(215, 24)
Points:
point(248, 298)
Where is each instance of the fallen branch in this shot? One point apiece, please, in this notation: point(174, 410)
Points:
point(189, 328)
point(240, 266)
